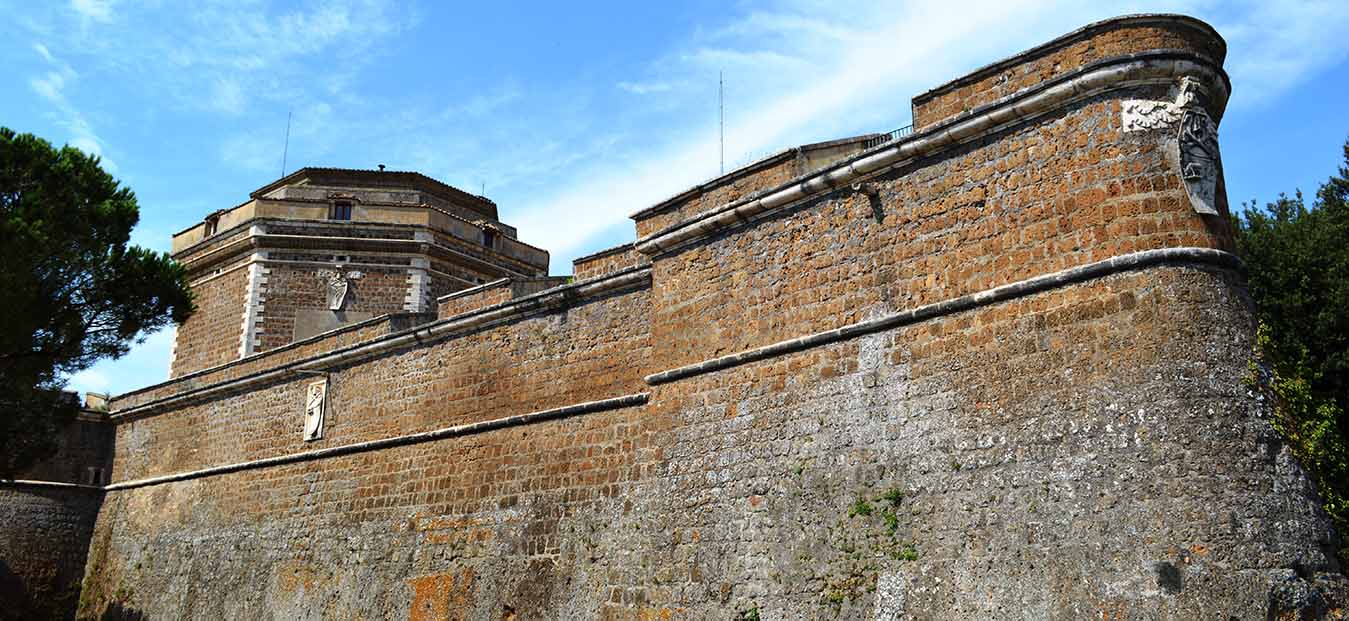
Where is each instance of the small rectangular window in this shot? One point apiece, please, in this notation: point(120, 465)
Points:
point(340, 210)
point(211, 224)
point(489, 238)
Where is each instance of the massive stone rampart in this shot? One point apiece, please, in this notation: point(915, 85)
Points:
point(992, 369)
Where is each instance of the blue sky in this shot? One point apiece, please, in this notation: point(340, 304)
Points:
point(572, 115)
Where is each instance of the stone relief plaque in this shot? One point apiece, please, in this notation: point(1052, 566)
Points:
point(336, 286)
point(1197, 138)
point(315, 402)
point(1144, 114)
point(1199, 161)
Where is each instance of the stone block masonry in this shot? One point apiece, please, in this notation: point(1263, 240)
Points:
point(43, 544)
point(993, 369)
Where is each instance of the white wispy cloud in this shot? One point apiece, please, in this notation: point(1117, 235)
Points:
point(96, 10)
point(51, 86)
point(228, 96)
point(646, 88)
point(230, 56)
point(1273, 46)
point(148, 362)
point(43, 52)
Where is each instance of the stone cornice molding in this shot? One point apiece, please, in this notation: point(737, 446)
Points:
point(1085, 32)
point(566, 411)
point(1098, 269)
point(261, 240)
point(1113, 74)
point(182, 255)
point(49, 485)
point(511, 310)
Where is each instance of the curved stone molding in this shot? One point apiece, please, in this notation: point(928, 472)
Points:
point(1133, 261)
point(1116, 36)
point(404, 440)
point(49, 484)
point(517, 308)
point(1120, 73)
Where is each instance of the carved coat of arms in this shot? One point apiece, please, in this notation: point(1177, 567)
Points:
point(336, 286)
point(1197, 139)
point(1200, 165)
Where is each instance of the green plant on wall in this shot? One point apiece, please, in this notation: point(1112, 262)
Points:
point(1297, 258)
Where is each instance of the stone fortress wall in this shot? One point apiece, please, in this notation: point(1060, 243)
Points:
point(991, 369)
point(48, 516)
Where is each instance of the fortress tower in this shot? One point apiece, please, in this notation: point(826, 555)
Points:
point(325, 247)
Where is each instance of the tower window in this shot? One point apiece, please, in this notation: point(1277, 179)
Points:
point(489, 238)
point(339, 210)
point(212, 223)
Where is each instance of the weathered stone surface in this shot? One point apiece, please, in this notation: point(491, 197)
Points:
point(851, 406)
point(288, 264)
point(44, 535)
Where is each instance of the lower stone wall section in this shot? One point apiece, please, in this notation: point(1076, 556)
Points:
point(44, 534)
point(1086, 452)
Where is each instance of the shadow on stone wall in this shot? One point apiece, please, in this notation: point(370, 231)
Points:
point(116, 612)
point(16, 601)
point(14, 594)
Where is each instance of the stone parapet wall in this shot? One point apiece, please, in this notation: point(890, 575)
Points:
point(746, 181)
point(468, 300)
point(345, 337)
point(607, 261)
point(1068, 190)
point(755, 177)
point(83, 453)
point(1113, 38)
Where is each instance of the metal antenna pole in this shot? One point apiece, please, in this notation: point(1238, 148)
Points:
point(721, 119)
point(285, 150)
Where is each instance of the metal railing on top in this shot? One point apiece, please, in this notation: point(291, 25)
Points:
point(888, 137)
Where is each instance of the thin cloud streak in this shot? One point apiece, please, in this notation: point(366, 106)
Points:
point(876, 65)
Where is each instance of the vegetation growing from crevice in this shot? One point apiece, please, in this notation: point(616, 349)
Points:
point(1297, 259)
point(867, 541)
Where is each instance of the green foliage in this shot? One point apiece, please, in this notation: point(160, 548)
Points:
point(1297, 258)
point(891, 521)
point(861, 507)
point(75, 291)
point(750, 614)
point(892, 497)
